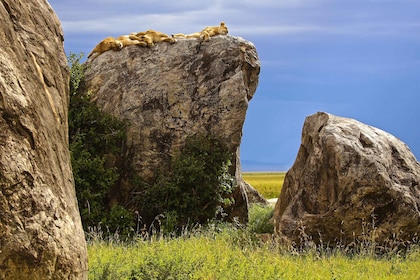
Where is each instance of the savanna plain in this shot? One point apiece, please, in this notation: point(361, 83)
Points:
point(233, 251)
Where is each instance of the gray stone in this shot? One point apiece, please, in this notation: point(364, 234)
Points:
point(171, 91)
point(349, 181)
point(41, 235)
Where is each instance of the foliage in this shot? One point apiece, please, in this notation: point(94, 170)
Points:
point(95, 137)
point(194, 188)
point(259, 218)
point(268, 184)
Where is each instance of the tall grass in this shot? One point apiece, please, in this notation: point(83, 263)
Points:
point(234, 254)
point(226, 251)
point(268, 184)
point(221, 251)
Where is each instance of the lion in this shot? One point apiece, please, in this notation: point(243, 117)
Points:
point(204, 36)
point(216, 30)
point(152, 36)
point(206, 33)
point(129, 40)
point(106, 44)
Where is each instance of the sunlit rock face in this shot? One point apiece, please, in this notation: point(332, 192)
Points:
point(172, 91)
point(349, 181)
point(41, 234)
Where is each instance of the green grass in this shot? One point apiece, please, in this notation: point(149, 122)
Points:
point(234, 254)
point(268, 184)
point(222, 251)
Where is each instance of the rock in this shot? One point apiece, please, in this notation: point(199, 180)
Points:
point(349, 181)
point(41, 234)
point(172, 91)
point(254, 196)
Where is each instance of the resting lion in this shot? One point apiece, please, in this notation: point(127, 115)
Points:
point(206, 33)
point(129, 40)
point(106, 44)
point(152, 36)
point(110, 43)
point(216, 30)
point(203, 35)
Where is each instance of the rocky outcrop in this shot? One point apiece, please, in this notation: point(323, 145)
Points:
point(41, 234)
point(349, 181)
point(172, 91)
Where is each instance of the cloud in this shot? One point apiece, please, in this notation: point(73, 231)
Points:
point(244, 17)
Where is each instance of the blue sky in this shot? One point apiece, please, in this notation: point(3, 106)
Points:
point(352, 58)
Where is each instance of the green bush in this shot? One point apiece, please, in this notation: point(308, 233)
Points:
point(259, 219)
point(194, 189)
point(94, 138)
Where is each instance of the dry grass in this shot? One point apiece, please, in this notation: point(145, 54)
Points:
point(268, 184)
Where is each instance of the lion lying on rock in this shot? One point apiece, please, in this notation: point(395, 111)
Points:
point(152, 36)
point(129, 40)
point(143, 39)
point(106, 44)
point(206, 33)
point(110, 43)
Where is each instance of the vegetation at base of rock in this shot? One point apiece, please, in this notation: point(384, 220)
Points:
point(226, 251)
point(192, 190)
point(268, 184)
point(195, 188)
point(259, 218)
point(95, 138)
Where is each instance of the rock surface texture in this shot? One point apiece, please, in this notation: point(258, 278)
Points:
point(41, 234)
point(172, 91)
point(348, 179)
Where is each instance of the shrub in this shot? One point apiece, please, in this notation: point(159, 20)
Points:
point(194, 188)
point(94, 137)
point(259, 219)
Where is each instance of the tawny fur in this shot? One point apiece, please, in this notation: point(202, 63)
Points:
point(106, 44)
point(204, 36)
point(129, 40)
point(206, 33)
point(216, 30)
point(152, 36)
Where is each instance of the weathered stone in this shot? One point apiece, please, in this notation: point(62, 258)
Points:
point(349, 181)
point(253, 195)
point(41, 234)
point(172, 91)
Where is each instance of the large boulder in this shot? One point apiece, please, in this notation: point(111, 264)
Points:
point(171, 91)
point(41, 234)
point(349, 181)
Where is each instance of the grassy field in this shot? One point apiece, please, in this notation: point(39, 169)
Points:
point(235, 254)
point(222, 251)
point(268, 184)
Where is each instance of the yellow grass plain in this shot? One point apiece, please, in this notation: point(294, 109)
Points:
point(268, 184)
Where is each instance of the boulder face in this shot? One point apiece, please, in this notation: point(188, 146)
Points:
point(349, 181)
point(41, 234)
point(171, 91)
